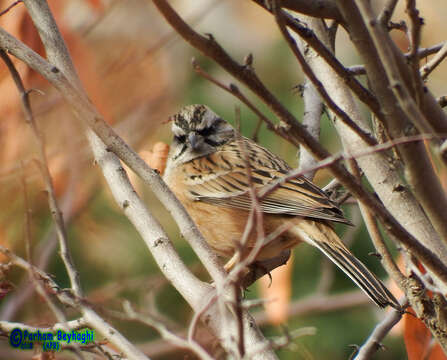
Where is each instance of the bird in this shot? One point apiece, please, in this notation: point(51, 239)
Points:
point(207, 171)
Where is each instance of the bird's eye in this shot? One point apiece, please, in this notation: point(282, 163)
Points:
point(205, 131)
point(180, 138)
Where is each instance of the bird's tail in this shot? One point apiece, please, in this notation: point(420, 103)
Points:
point(324, 238)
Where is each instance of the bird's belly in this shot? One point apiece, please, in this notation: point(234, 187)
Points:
point(222, 228)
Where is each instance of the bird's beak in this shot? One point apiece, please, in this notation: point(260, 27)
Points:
point(194, 140)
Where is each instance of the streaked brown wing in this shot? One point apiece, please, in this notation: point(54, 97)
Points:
point(221, 179)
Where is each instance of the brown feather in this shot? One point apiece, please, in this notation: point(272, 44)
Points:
point(221, 179)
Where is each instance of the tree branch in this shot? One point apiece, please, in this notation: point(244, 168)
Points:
point(91, 318)
point(313, 110)
point(296, 133)
point(44, 168)
point(434, 62)
point(316, 8)
point(70, 87)
point(320, 47)
point(342, 115)
point(380, 331)
point(387, 12)
point(419, 169)
point(386, 179)
point(74, 94)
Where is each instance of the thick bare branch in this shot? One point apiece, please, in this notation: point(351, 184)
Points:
point(377, 239)
point(387, 12)
point(320, 47)
point(295, 132)
point(386, 180)
point(73, 93)
point(419, 170)
point(193, 290)
point(312, 101)
point(84, 109)
point(313, 110)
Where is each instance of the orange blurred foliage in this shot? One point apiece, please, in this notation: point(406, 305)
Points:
point(419, 341)
point(277, 292)
point(112, 91)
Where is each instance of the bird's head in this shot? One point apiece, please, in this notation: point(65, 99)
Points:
point(198, 131)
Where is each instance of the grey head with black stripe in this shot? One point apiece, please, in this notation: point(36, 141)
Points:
point(198, 131)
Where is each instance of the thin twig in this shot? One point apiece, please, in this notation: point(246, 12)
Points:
point(255, 134)
point(76, 324)
point(92, 319)
point(321, 8)
point(385, 52)
point(434, 62)
point(3, 12)
point(197, 316)
point(164, 332)
point(423, 52)
point(366, 137)
point(58, 313)
point(296, 134)
point(27, 217)
point(380, 331)
point(344, 156)
point(43, 165)
point(309, 36)
point(234, 90)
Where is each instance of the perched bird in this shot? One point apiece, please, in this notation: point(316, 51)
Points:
point(207, 171)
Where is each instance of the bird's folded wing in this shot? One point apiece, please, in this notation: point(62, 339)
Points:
point(222, 179)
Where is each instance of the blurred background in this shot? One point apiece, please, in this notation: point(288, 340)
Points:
point(138, 72)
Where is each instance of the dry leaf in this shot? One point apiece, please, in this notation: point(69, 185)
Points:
point(418, 340)
point(158, 157)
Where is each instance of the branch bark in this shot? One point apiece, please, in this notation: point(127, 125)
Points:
point(62, 75)
point(317, 8)
point(293, 131)
point(418, 168)
point(406, 208)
